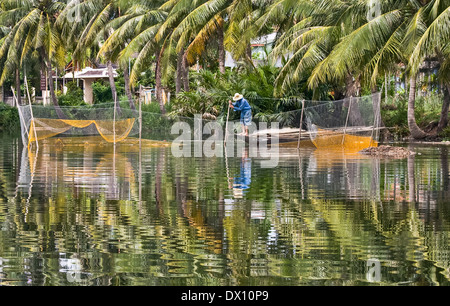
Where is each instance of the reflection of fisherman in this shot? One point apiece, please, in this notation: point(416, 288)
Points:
point(242, 182)
point(242, 105)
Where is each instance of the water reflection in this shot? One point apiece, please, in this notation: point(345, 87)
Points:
point(243, 180)
point(78, 214)
point(81, 166)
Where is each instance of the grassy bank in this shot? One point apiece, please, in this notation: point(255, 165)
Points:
point(395, 109)
point(9, 119)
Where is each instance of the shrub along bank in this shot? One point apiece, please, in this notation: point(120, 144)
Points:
point(9, 119)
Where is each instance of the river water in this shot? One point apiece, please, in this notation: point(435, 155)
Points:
point(98, 215)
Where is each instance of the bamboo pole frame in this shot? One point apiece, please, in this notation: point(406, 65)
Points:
point(301, 124)
point(226, 125)
point(346, 121)
point(377, 117)
point(140, 119)
point(114, 118)
point(34, 125)
point(20, 113)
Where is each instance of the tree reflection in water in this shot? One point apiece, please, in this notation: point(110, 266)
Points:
point(91, 215)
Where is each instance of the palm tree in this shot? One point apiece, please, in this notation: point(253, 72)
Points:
point(33, 32)
point(132, 18)
point(9, 61)
point(199, 23)
point(335, 41)
point(95, 22)
point(134, 36)
point(429, 37)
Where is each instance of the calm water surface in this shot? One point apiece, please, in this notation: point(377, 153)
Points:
point(90, 215)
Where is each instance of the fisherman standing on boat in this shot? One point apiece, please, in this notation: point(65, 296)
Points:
point(243, 106)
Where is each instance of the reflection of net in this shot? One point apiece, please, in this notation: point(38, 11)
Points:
point(352, 123)
point(39, 122)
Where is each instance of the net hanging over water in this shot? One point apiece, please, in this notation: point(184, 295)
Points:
point(42, 122)
point(351, 123)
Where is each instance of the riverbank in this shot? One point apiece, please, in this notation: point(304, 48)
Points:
point(10, 123)
point(9, 119)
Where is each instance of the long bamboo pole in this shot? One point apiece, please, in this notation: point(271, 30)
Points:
point(346, 121)
point(26, 87)
point(114, 122)
point(301, 124)
point(34, 125)
point(20, 115)
point(140, 123)
point(226, 125)
point(376, 116)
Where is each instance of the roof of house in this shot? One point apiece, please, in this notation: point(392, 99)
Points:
point(91, 73)
point(264, 40)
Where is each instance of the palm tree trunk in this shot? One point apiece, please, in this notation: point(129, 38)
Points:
point(19, 92)
point(414, 129)
point(351, 85)
point(351, 91)
point(179, 76)
point(48, 65)
point(112, 84)
point(384, 133)
point(443, 120)
point(377, 106)
point(248, 55)
point(221, 50)
point(158, 85)
point(126, 77)
point(185, 69)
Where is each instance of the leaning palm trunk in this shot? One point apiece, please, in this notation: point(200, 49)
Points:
point(443, 120)
point(19, 93)
point(126, 77)
point(185, 71)
point(158, 85)
point(179, 76)
point(414, 129)
point(112, 83)
point(51, 86)
point(351, 91)
point(221, 50)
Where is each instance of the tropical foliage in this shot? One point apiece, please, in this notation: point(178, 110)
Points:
point(327, 49)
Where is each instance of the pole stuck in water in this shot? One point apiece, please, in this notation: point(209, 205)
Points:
point(226, 124)
point(301, 124)
point(346, 121)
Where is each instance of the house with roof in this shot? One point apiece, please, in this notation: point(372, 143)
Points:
point(88, 76)
point(261, 47)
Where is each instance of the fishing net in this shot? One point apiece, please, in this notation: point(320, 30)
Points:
point(352, 123)
point(42, 122)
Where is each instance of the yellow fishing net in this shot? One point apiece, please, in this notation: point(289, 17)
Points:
point(352, 124)
point(111, 131)
point(111, 122)
point(340, 140)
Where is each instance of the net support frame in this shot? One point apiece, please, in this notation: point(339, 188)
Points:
point(16, 102)
point(346, 121)
point(31, 109)
point(301, 124)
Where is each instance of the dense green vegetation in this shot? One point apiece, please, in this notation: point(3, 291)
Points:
point(9, 119)
point(327, 50)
